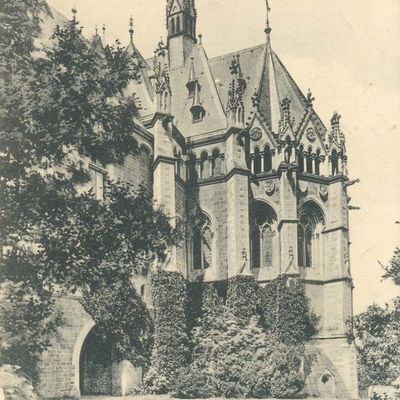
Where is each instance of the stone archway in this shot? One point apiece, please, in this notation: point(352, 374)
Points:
point(96, 366)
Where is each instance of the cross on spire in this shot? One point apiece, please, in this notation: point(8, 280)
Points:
point(267, 29)
point(131, 31)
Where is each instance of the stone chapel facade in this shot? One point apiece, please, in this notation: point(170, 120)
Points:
point(235, 136)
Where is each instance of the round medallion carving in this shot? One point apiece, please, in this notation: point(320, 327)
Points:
point(269, 187)
point(256, 134)
point(303, 188)
point(311, 136)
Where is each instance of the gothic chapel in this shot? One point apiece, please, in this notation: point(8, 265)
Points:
point(235, 136)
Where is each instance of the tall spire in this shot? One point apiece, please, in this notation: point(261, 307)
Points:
point(268, 28)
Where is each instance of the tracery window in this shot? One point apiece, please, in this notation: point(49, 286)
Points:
point(262, 235)
point(309, 236)
point(203, 246)
point(204, 165)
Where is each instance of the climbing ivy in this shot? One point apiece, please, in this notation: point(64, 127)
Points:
point(171, 344)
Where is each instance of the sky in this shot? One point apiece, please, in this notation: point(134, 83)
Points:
point(348, 53)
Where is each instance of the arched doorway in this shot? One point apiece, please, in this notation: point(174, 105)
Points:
point(96, 366)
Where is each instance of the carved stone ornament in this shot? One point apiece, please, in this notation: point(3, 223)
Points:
point(311, 136)
point(303, 188)
point(256, 134)
point(323, 192)
point(269, 187)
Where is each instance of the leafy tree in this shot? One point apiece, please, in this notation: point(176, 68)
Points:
point(376, 334)
point(287, 312)
point(392, 271)
point(55, 112)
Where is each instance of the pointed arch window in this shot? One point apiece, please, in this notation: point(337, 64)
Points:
point(257, 161)
point(173, 26)
point(204, 165)
point(309, 162)
point(262, 235)
point(178, 24)
point(317, 162)
point(300, 158)
point(267, 159)
point(335, 162)
point(216, 163)
point(203, 246)
point(309, 230)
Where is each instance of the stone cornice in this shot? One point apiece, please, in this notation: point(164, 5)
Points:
point(219, 179)
point(337, 228)
point(164, 159)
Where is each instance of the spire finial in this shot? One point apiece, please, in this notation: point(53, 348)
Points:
point(104, 30)
point(131, 31)
point(96, 30)
point(74, 13)
point(267, 29)
point(200, 39)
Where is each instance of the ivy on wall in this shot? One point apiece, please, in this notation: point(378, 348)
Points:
point(170, 342)
point(243, 297)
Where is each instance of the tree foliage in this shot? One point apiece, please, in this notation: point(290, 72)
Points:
point(287, 312)
point(376, 334)
point(392, 271)
point(59, 108)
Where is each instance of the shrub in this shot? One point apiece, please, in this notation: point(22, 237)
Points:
point(192, 384)
point(233, 360)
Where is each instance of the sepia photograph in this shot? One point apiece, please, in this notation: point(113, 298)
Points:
point(199, 199)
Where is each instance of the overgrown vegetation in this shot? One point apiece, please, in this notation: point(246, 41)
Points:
point(235, 354)
point(171, 345)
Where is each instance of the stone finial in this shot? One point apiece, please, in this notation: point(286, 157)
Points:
point(335, 127)
point(310, 99)
point(286, 119)
point(255, 99)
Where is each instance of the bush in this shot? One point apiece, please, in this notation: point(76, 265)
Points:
point(14, 385)
point(195, 384)
point(232, 360)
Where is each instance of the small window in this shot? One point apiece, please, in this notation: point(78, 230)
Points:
point(98, 180)
point(178, 24)
point(143, 290)
point(197, 115)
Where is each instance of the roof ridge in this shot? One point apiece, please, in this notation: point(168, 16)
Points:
point(236, 52)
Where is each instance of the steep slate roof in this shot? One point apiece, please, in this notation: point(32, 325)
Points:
point(264, 73)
